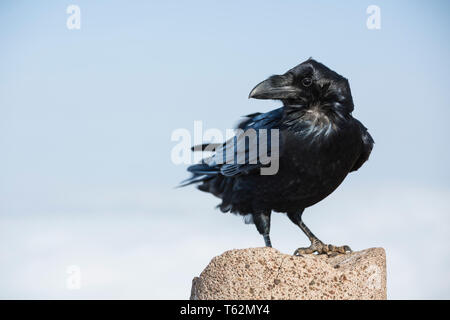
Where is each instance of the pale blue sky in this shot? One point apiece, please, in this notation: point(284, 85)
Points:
point(86, 118)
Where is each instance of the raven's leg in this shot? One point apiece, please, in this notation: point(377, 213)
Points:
point(316, 245)
point(262, 223)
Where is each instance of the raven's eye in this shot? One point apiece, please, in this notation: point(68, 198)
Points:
point(307, 82)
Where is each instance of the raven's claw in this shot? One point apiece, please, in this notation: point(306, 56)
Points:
point(321, 248)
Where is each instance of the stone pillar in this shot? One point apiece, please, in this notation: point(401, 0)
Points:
point(265, 273)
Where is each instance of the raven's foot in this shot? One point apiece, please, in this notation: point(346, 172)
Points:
point(321, 248)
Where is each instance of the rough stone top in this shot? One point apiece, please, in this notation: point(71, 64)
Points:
point(266, 273)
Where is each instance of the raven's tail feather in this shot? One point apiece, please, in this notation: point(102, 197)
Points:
point(203, 168)
point(201, 172)
point(210, 146)
point(210, 179)
point(194, 179)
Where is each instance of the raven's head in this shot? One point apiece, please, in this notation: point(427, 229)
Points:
point(308, 85)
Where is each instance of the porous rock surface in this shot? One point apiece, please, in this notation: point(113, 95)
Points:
point(265, 273)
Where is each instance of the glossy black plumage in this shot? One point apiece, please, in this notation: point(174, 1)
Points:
point(319, 144)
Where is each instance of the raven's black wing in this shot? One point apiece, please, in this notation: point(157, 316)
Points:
point(241, 154)
point(367, 143)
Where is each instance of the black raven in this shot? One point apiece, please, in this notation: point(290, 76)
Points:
point(320, 142)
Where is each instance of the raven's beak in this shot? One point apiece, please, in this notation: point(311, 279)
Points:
point(276, 87)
